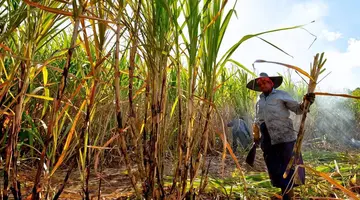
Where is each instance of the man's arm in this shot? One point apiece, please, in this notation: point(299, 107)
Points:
point(230, 124)
point(291, 104)
point(257, 119)
point(247, 129)
point(295, 106)
point(256, 125)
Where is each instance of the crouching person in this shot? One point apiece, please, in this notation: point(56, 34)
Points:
point(240, 134)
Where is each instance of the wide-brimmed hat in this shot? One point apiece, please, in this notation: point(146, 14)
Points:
point(252, 85)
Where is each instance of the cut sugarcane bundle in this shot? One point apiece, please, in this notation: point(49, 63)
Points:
point(315, 70)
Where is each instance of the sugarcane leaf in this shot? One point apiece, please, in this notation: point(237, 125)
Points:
point(298, 69)
point(322, 70)
point(36, 90)
point(247, 37)
point(276, 47)
point(69, 139)
point(332, 181)
point(242, 66)
point(46, 90)
point(65, 13)
point(45, 75)
point(174, 106)
point(34, 130)
point(40, 97)
point(107, 143)
point(224, 26)
point(337, 95)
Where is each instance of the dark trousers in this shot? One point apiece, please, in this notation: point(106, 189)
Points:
point(277, 158)
point(241, 137)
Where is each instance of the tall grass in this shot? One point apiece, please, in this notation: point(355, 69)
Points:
point(143, 77)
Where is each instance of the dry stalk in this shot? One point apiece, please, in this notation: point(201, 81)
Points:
point(180, 139)
point(202, 152)
point(11, 147)
point(134, 128)
point(57, 101)
point(61, 189)
point(189, 126)
point(119, 119)
point(155, 125)
point(163, 120)
point(86, 127)
point(336, 95)
point(315, 71)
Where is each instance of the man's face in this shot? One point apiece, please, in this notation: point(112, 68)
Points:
point(265, 84)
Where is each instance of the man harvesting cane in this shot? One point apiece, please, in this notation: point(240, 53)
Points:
point(277, 132)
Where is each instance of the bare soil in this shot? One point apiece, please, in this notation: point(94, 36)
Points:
point(115, 183)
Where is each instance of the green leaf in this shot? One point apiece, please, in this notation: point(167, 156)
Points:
point(45, 75)
point(242, 66)
point(40, 97)
point(174, 106)
point(247, 37)
point(224, 26)
point(276, 47)
point(46, 102)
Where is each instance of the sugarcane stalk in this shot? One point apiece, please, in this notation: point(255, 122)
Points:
point(177, 172)
point(84, 141)
point(155, 128)
point(11, 147)
point(62, 187)
point(57, 101)
point(315, 71)
point(188, 135)
point(162, 132)
point(86, 127)
point(132, 115)
point(123, 146)
point(145, 131)
point(202, 152)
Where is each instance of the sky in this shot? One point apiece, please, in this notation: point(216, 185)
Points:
point(336, 27)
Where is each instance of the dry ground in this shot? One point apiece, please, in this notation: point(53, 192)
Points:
point(115, 183)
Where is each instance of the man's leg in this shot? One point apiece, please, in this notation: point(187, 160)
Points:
point(235, 138)
point(289, 195)
point(244, 141)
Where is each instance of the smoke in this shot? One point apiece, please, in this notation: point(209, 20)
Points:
point(331, 120)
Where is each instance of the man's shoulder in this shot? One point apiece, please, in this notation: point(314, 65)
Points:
point(281, 92)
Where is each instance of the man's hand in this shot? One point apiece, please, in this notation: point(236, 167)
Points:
point(310, 97)
point(256, 133)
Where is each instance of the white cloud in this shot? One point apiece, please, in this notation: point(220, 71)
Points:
point(354, 45)
point(341, 66)
point(331, 36)
point(261, 15)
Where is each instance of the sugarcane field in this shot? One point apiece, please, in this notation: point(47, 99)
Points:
point(189, 99)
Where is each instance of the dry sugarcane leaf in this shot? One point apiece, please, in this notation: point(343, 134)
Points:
point(68, 139)
point(336, 95)
point(61, 12)
point(332, 181)
point(233, 156)
point(298, 69)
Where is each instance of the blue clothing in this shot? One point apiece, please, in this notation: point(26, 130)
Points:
point(274, 111)
point(240, 132)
